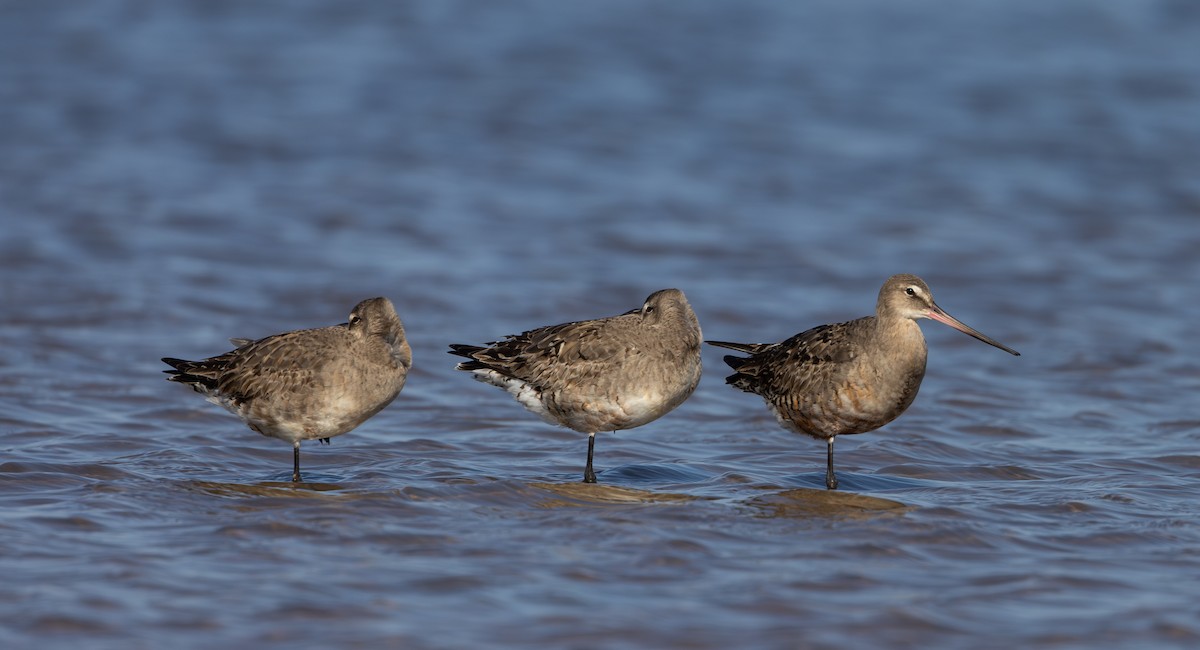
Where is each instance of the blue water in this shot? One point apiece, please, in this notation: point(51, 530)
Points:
point(176, 173)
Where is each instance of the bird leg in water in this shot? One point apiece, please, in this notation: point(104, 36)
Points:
point(830, 479)
point(589, 476)
point(296, 462)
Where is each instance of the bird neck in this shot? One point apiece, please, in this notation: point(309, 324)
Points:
point(898, 335)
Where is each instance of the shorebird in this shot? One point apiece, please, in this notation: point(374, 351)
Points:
point(306, 384)
point(850, 377)
point(598, 375)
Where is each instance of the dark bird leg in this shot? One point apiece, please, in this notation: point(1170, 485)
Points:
point(830, 479)
point(589, 475)
point(296, 463)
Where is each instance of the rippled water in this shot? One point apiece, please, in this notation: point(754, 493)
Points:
point(173, 174)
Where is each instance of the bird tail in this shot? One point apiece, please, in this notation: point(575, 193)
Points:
point(748, 348)
point(189, 372)
point(467, 351)
point(737, 363)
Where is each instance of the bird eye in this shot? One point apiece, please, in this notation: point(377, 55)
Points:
point(355, 319)
point(910, 291)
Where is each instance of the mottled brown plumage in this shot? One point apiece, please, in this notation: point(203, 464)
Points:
point(306, 384)
point(850, 377)
point(598, 375)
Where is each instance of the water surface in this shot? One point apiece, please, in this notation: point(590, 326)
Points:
point(174, 174)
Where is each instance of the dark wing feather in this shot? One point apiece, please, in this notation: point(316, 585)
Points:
point(468, 351)
point(203, 374)
point(748, 348)
point(528, 355)
point(254, 369)
point(792, 366)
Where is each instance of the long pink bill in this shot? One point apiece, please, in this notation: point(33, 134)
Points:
point(938, 314)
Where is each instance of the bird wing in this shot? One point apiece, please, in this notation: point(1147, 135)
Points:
point(533, 355)
point(258, 368)
point(806, 360)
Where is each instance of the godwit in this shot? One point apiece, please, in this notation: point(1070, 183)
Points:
point(598, 375)
point(305, 384)
point(850, 377)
